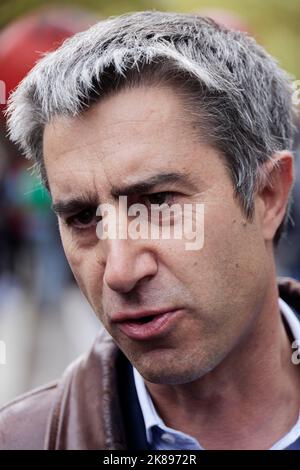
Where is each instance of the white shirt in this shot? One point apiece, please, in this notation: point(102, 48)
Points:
point(161, 437)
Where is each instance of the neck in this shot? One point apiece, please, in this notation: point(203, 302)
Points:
point(249, 401)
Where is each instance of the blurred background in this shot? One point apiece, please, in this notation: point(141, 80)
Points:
point(45, 321)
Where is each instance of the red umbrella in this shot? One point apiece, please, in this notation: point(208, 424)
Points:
point(24, 41)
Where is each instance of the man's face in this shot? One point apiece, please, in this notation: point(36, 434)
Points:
point(214, 294)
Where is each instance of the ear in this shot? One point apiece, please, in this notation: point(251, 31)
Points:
point(273, 192)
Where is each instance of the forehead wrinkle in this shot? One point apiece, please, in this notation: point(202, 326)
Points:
point(75, 148)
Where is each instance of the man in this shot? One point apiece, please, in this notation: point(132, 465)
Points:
point(167, 109)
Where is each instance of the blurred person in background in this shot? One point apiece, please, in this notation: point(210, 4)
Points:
point(196, 346)
point(34, 254)
point(34, 275)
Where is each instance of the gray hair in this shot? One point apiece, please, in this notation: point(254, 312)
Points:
point(233, 87)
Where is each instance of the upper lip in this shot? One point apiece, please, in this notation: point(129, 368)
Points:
point(119, 317)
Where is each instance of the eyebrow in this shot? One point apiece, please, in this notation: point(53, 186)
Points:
point(73, 205)
point(82, 202)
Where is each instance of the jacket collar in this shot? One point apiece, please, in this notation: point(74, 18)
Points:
point(86, 414)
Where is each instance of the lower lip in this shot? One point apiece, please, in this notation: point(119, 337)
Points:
point(160, 324)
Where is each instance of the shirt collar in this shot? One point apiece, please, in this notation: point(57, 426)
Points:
point(149, 412)
point(290, 318)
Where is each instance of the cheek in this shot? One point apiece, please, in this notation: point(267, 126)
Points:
point(232, 253)
point(87, 270)
point(233, 259)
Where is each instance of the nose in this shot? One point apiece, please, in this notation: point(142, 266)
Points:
point(127, 264)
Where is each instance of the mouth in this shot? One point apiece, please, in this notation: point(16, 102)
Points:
point(147, 325)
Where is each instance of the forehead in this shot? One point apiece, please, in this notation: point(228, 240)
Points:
point(129, 135)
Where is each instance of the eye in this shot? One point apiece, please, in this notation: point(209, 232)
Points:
point(160, 198)
point(84, 219)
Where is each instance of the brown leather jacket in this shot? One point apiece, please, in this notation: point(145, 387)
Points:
point(91, 406)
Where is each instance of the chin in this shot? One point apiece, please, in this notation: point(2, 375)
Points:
point(170, 367)
point(168, 375)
